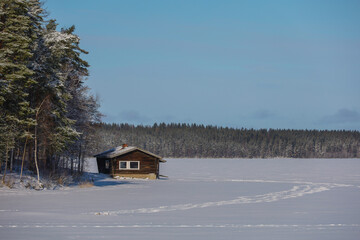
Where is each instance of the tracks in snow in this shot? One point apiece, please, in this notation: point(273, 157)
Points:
point(294, 192)
point(234, 226)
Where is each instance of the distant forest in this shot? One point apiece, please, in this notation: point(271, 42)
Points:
point(184, 140)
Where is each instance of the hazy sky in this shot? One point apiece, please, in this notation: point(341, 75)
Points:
point(253, 64)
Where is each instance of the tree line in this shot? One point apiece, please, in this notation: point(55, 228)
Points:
point(192, 140)
point(46, 111)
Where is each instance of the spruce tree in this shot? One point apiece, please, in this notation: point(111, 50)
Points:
point(44, 105)
point(16, 38)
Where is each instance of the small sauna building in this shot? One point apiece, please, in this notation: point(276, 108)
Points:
point(127, 161)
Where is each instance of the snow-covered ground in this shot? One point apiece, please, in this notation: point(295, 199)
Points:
point(201, 199)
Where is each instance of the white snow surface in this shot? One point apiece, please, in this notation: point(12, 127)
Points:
point(201, 199)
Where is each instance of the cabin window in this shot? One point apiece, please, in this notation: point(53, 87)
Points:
point(107, 164)
point(134, 165)
point(129, 165)
point(123, 165)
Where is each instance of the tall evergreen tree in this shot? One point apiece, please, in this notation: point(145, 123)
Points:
point(43, 101)
point(16, 38)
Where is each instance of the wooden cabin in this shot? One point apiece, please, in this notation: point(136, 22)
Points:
point(127, 161)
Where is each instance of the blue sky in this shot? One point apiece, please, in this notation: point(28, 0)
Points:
point(252, 64)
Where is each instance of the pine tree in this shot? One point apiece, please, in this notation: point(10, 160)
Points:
point(16, 38)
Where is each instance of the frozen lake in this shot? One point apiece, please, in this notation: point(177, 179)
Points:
point(201, 199)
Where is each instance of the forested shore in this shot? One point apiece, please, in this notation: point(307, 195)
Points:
point(192, 140)
point(46, 110)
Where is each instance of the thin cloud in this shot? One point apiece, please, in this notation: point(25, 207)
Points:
point(262, 114)
point(343, 115)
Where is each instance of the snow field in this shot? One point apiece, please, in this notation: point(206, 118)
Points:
point(201, 199)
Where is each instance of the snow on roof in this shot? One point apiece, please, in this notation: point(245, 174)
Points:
point(118, 151)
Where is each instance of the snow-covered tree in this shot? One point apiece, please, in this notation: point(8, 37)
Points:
point(45, 106)
point(16, 39)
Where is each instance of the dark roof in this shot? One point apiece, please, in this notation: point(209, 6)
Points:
point(118, 151)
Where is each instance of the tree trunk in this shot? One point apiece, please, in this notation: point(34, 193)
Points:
point(23, 159)
point(11, 159)
point(6, 161)
point(82, 164)
point(35, 139)
point(53, 164)
point(79, 160)
point(17, 156)
point(35, 154)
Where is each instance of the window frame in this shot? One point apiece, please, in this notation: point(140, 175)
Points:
point(128, 165)
point(120, 165)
